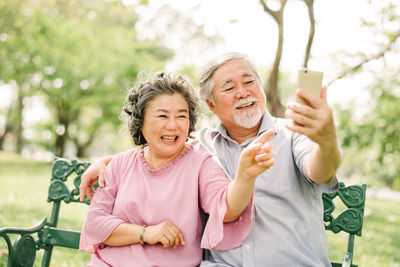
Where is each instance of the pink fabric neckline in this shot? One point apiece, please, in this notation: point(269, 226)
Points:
point(165, 167)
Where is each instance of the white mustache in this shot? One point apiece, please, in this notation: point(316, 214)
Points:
point(245, 101)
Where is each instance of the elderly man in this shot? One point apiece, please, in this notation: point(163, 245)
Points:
point(287, 221)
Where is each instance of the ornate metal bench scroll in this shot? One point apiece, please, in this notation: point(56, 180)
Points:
point(349, 220)
point(22, 252)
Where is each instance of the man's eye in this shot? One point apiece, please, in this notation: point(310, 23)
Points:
point(249, 82)
point(229, 89)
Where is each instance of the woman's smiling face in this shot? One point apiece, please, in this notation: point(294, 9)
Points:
point(166, 125)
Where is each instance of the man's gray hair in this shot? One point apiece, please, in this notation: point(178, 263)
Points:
point(206, 83)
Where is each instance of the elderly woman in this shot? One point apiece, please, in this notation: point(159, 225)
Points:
point(151, 211)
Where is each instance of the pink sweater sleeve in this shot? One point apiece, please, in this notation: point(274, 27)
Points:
point(100, 222)
point(213, 189)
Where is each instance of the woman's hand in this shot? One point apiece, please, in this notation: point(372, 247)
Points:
point(94, 173)
point(165, 233)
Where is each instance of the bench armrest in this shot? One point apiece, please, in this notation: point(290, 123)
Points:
point(23, 251)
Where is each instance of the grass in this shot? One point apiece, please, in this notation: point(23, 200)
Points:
point(380, 241)
point(23, 195)
point(23, 203)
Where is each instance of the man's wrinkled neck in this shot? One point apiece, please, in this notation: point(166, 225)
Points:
point(241, 134)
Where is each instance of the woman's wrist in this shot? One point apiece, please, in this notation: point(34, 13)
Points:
point(141, 237)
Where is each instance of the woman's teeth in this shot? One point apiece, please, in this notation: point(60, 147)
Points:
point(168, 138)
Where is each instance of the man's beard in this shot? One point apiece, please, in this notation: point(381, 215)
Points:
point(248, 118)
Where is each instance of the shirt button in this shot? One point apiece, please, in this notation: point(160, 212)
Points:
point(248, 247)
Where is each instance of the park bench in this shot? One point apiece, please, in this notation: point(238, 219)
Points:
point(45, 235)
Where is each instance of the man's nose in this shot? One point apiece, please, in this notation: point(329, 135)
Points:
point(241, 92)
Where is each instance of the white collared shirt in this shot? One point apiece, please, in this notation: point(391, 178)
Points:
point(288, 228)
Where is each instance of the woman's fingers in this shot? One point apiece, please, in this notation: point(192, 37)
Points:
point(174, 235)
point(170, 235)
point(164, 241)
point(181, 239)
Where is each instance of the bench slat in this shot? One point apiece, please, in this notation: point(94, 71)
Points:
point(61, 237)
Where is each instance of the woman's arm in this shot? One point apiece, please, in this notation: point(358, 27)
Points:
point(165, 233)
point(94, 173)
point(101, 226)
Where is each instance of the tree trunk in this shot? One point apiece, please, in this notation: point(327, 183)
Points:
point(8, 128)
point(81, 149)
point(61, 140)
point(271, 87)
point(18, 121)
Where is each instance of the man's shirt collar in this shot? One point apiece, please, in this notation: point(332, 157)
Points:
point(266, 123)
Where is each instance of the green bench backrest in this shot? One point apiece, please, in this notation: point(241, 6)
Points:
point(350, 220)
point(23, 252)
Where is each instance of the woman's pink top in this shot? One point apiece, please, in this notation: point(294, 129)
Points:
point(181, 192)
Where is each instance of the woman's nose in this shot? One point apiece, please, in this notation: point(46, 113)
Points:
point(171, 123)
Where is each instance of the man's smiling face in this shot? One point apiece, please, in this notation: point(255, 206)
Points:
point(238, 96)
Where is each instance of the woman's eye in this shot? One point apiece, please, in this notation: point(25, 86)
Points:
point(162, 116)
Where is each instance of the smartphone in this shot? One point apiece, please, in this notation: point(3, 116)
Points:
point(310, 81)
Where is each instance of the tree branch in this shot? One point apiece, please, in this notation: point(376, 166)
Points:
point(380, 54)
point(275, 14)
point(310, 6)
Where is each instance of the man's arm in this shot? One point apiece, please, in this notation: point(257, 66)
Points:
point(255, 159)
point(315, 120)
point(94, 173)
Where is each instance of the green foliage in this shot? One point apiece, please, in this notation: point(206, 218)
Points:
point(370, 128)
point(375, 132)
point(79, 58)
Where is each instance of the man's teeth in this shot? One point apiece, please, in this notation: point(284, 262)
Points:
point(168, 138)
point(245, 105)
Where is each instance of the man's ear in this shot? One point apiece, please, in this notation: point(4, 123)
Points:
point(210, 105)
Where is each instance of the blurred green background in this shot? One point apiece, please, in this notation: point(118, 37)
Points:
point(66, 65)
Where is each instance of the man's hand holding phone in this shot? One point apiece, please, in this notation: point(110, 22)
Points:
point(312, 117)
point(310, 114)
point(310, 81)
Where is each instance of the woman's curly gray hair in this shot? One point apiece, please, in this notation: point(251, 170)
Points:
point(142, 93)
